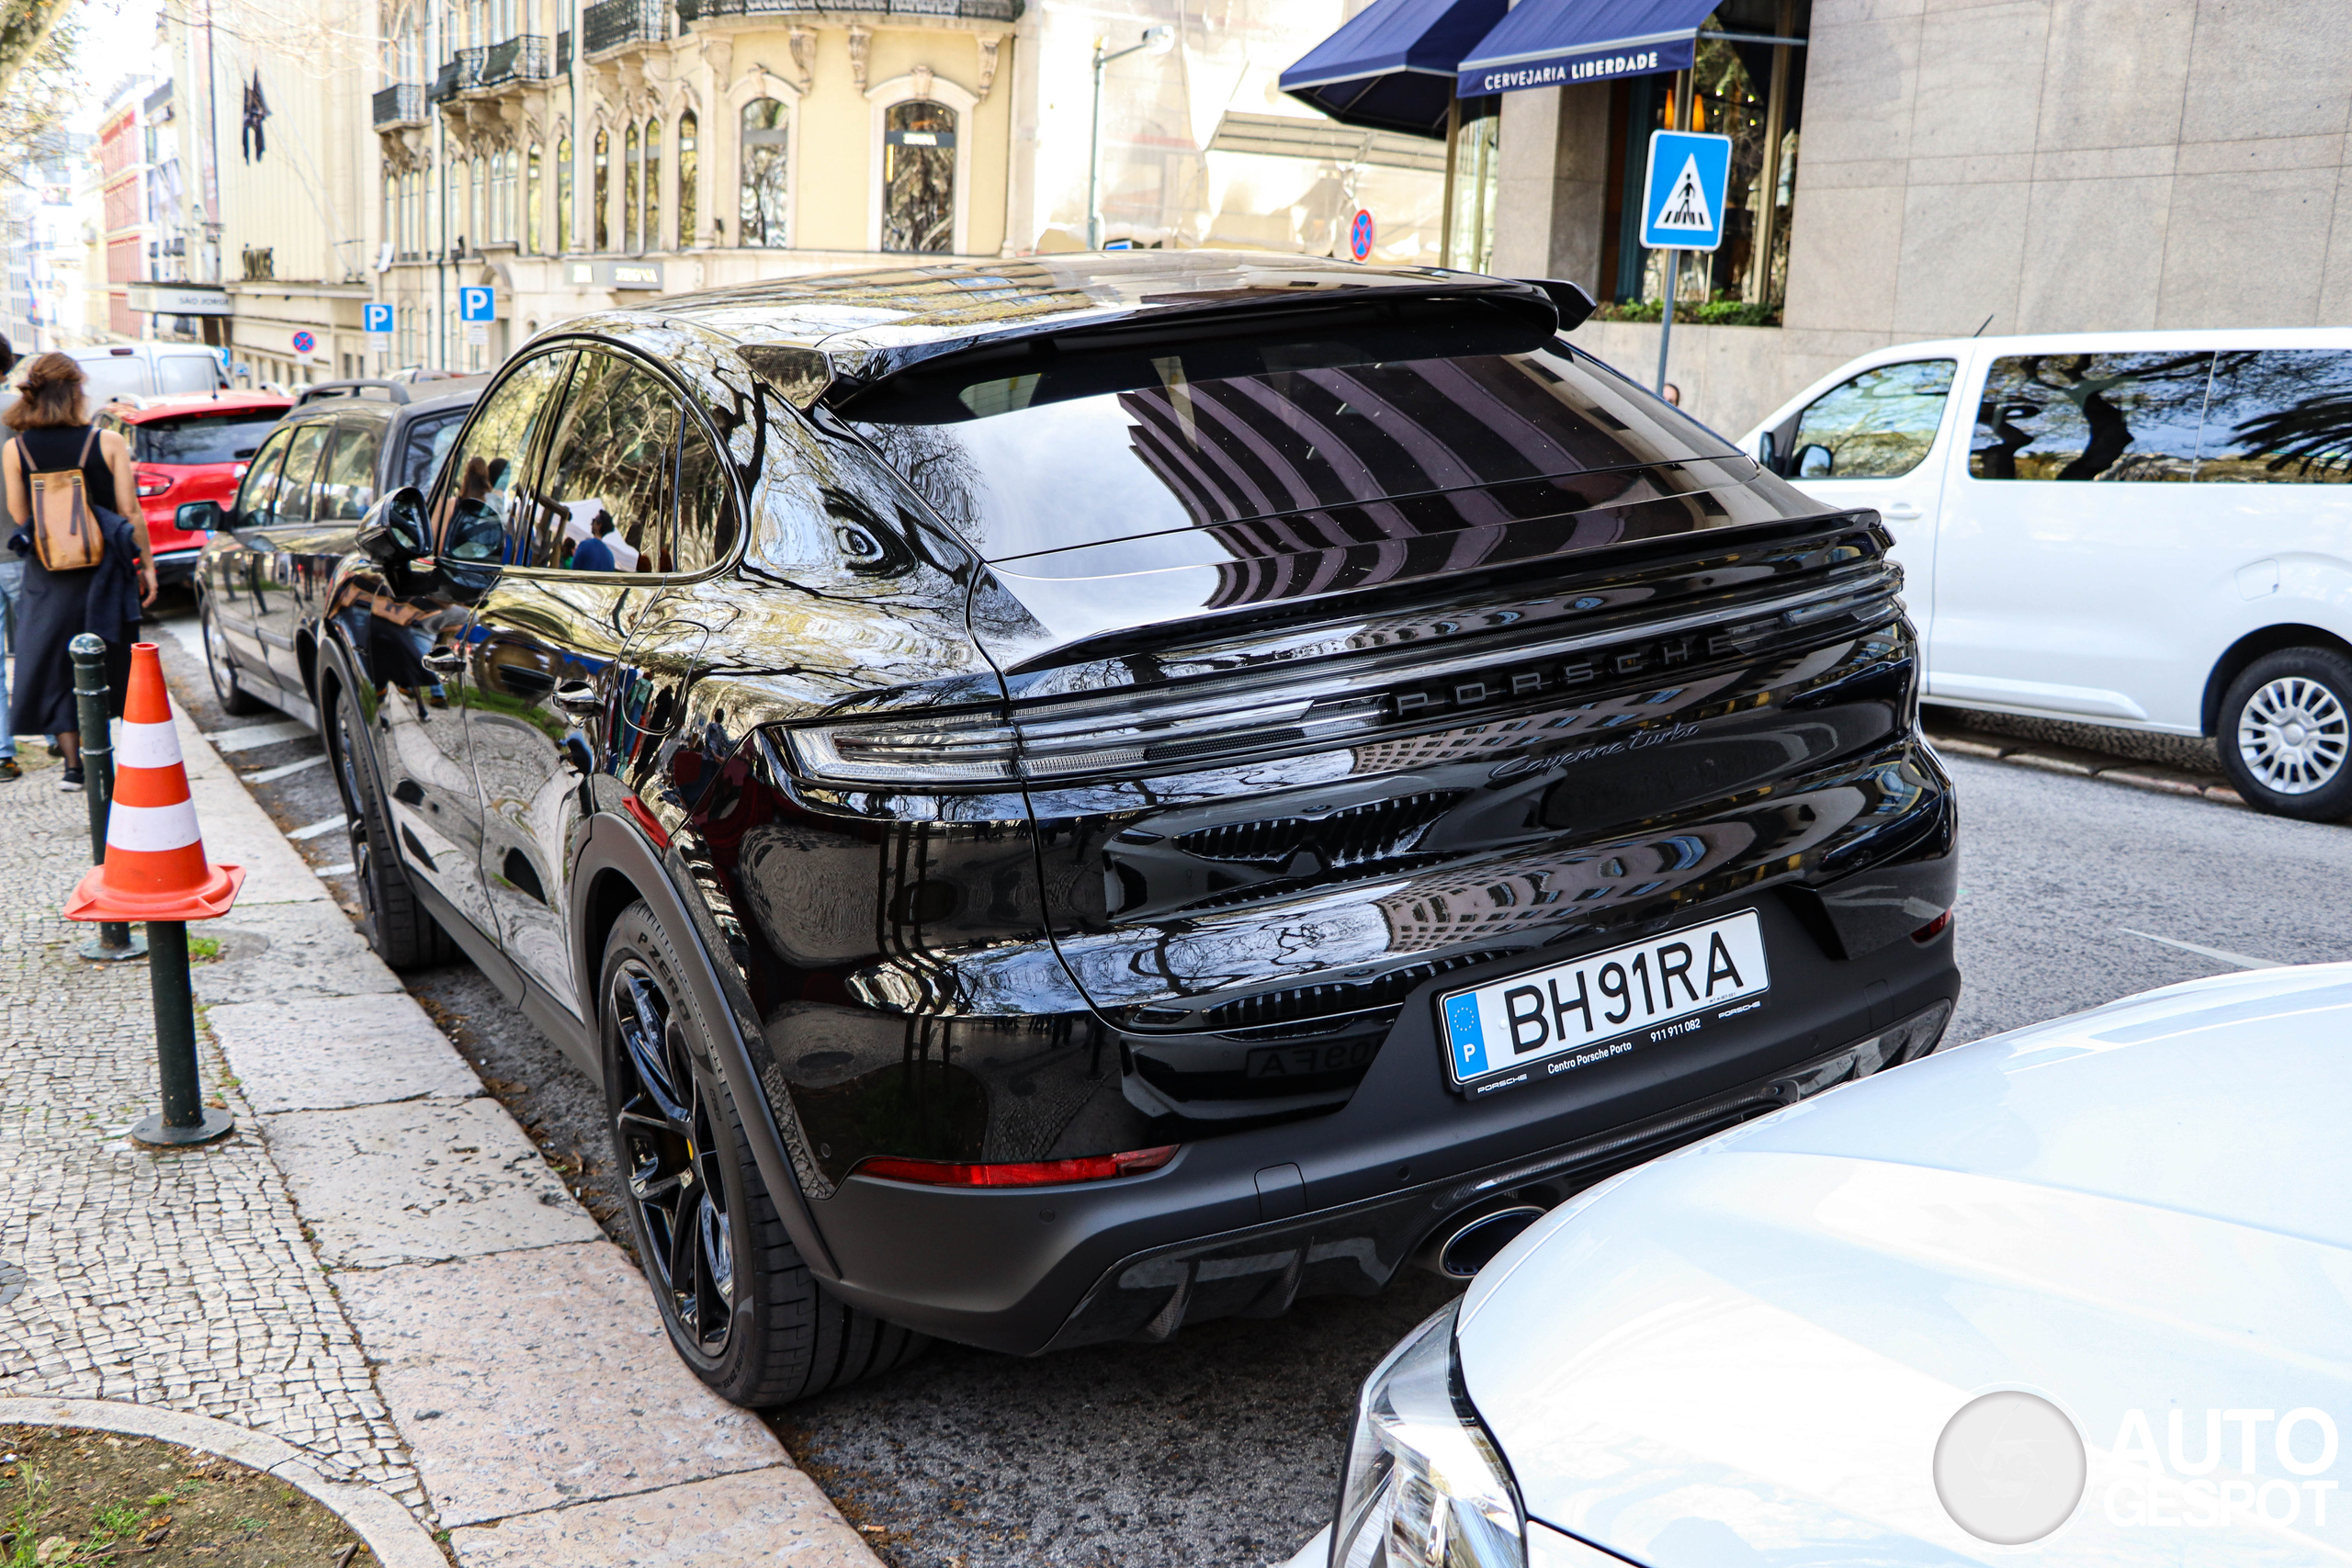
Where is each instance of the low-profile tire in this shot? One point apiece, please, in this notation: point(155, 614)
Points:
point(395, 923)
point(233, 698)
point(2285, 734)
point(742, 1308)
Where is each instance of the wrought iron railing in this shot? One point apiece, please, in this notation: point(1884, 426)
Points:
point(520, 58)
point(400, 104)
point(969, 10)
point(616, 24)
point(563, 52)
point(446, 82)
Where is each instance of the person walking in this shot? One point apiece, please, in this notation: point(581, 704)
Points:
point(51, 418)
point(12, 585)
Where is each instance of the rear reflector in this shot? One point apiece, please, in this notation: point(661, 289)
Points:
point(1036, 1173)
point(1934, 928)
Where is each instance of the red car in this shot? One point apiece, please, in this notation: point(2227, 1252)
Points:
point(190, 447)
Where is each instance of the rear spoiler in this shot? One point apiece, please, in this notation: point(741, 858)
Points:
point(395, 390)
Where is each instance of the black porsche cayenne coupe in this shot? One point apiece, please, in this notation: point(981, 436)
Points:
point(1065, 798)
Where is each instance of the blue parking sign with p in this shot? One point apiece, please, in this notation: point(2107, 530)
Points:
point(376, 319)
point(1682, 200)
point(476, 305)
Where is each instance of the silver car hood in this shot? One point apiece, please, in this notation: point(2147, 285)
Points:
point(1746, 1353)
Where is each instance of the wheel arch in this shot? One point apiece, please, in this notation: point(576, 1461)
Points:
point(618, 866)
point(2253, 646)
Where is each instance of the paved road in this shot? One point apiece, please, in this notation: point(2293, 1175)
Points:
point(1222, 1446)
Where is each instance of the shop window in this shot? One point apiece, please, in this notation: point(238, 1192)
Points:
point(1469, 234)
point(918, 176)
point(761, 215)
point(689, 171)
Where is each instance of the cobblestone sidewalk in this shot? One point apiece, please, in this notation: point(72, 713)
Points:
point(176, 1279)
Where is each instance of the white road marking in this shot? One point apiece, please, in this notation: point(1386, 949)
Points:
point(2236, 960)
point(254, 735)
point(186, 630)
point(324, 825)
point(271, 775)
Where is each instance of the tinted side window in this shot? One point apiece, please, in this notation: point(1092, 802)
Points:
point(2090, 416)
point(293, 504)
point(424, 448)
point(259, 490)
point(1874, 426)
point(608, 482)
point(347, 484)
point(2278, 416)
point(706, 506)
point(481, 480)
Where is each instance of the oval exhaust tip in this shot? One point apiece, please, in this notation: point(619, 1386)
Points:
point(1474, 1245)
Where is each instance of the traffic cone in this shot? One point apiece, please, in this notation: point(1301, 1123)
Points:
point(155, 868)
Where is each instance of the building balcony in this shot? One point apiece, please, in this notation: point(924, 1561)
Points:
point(399, 106)
point(456, 74)
point(610, 25)
point(525, 58)
point(563, 52)
point(960, 10)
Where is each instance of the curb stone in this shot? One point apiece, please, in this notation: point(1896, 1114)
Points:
point(386, 1527)
point(2076, 763)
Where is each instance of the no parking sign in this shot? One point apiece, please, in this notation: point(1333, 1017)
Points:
point(304, 343)
point(1360, 235)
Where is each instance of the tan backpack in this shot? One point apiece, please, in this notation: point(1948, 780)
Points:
point(64, 526)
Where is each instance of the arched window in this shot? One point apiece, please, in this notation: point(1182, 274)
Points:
point(534, 200)
point(761, 216)
point(410, 242)
point(563, 240)
point(602, 221)
point(632, 191)
point(918, 176)
point(392, 211)
point(689, 171)
point(500, 223)
point(477, 220)
point(653, 185)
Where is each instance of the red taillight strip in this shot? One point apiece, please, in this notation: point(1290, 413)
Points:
point(1933, 929)
point(1033, 1173)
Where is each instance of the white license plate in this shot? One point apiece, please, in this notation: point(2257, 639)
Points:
point(1606, 1004)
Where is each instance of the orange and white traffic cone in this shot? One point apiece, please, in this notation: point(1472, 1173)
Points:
point(155, 868)
point(155, 871)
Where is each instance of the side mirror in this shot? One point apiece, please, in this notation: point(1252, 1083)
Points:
point(201, 517)
point(477, 535)
point(1816, 462)
point(397, 530)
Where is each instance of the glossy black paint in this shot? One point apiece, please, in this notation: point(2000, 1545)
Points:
point(1616, 702)
point(264, 574)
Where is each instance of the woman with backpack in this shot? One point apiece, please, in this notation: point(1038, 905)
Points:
point(73, 493)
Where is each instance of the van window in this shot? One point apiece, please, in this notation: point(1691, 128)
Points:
point(2278, 416)
point(1874, 426)
point(186, 373)
point(2090, 416)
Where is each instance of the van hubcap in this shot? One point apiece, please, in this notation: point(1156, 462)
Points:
point(2295, 735)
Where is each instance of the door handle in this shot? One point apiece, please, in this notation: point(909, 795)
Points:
point(1900, 512)
point(579, 699)
point(445, 663)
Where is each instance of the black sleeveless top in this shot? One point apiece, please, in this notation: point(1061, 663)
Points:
point(48, 451)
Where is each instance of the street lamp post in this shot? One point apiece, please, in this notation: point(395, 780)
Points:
point(1158, 41)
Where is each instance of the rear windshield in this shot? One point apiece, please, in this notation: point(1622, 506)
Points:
point(1072, 448)
point(201, 438)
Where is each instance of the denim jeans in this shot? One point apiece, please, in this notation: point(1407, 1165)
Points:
point(12, 587)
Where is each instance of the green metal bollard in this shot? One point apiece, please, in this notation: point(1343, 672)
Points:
point(116, 941)
point(184, 1119)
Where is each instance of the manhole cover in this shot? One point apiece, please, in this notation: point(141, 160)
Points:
point(13, 1281)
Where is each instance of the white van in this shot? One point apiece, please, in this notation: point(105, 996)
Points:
point(2149, 530)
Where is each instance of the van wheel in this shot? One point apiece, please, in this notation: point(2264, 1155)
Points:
point(742, 1310)
point(233, 698)
point(2286, 734)
point(397, 926)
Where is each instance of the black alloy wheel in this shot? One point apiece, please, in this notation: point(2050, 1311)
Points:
point(741, 1309)
point(397, 926)
point(2285, 734)
point(233, 698)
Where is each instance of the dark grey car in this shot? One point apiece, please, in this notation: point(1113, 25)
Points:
point(259, 581)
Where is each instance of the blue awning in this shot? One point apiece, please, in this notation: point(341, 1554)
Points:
point(1391, 66)
point(1548, 43)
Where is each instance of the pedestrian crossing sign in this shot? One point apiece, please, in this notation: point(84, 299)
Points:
point(1682, 200)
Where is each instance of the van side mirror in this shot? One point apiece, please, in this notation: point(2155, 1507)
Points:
point(397, 531)
point(201, 517)
point(1815, 461)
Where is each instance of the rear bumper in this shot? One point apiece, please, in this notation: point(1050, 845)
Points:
point(177, 566)
point(1247, 1221)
